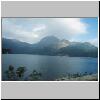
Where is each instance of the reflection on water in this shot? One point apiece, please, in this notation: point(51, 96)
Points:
point(51, 67)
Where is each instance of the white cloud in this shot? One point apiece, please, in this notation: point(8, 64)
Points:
point(39, 28)
point(73, 25)
point(12, 31)
point(35, 29)
point(94, 41)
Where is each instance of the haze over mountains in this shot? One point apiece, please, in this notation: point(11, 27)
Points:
point(51, 45)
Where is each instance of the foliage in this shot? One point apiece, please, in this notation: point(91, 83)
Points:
point(34, 76)
point(18, 74)
point(10, 73)
point(14, 75)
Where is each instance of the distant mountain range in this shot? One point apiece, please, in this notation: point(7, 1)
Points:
point(51, 45)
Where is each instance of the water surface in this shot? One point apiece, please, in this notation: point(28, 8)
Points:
point(51, 67)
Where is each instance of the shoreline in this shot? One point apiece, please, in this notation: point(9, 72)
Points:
point(92, 77)
point(52, 55)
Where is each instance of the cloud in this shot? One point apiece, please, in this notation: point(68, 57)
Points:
point(39, 28)
point(94, 41)
point(13, 31)
point(31, 30)
point(73, 25)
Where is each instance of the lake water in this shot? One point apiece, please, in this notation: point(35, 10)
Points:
point(51, 67)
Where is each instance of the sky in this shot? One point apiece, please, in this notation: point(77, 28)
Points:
point(32, 30)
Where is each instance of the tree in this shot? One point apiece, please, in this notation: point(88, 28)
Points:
point(35, 76)
point(10, 73)
point(20, 72)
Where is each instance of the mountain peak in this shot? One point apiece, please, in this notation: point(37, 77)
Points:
point(50, 40)
point(51, 37)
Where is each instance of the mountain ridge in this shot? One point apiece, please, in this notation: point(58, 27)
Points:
point(51, 45)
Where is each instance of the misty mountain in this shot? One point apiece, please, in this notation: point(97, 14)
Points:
point(51, 45)
point(16, 46)
point(80, 50)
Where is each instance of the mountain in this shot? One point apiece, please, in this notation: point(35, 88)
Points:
point(80, 50)
point(53, 42)
point(16, 46)
point(47, 46)
point(51, 45)
point(63, 43)
point(49, 40)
